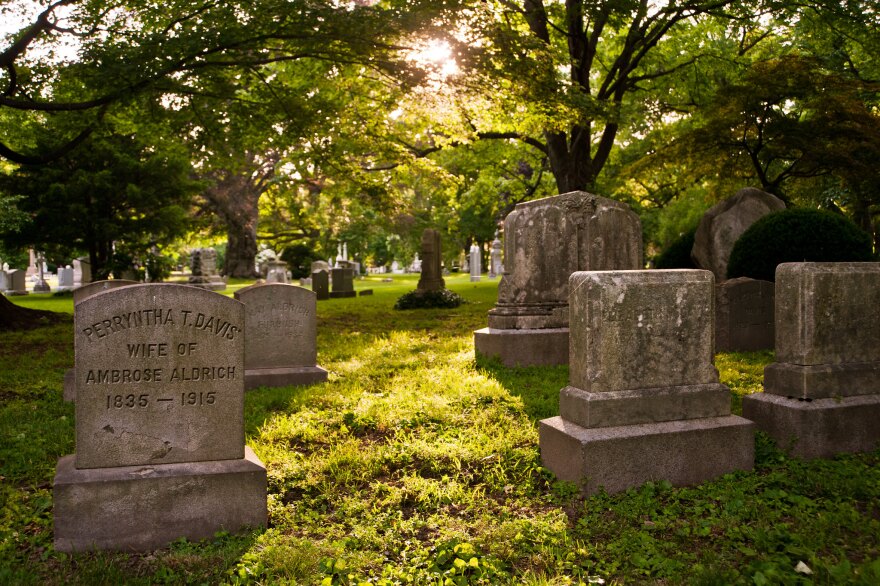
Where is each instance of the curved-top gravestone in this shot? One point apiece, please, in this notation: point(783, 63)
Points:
point(724, 223)
point(545, 241)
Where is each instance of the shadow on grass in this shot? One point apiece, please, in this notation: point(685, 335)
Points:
point(537, 386)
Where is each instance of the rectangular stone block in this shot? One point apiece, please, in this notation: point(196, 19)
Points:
point(159, 376)
point(744, 319)
point(817, 428)
point(342, 280)
point(827, 313)
point(617, 458)
point(283, 377)
point(615, 408)
point(321, 284)
point(822, 381)
point(140, 508)
point(541, 347)
point(641, 329)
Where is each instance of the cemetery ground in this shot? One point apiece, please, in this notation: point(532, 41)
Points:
point(416, 464)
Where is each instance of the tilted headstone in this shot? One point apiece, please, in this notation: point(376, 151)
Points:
point(643, 401)
point(822, 395)
point(724, 223)
point(476, 267)
point(342, 281)
point(160, 449)
point(545, 241)
point(203, 266)
point(16, 282)
point(280, 334)
point(495, 267)
point(321, 284)
point(743, 315)
point(431, 277)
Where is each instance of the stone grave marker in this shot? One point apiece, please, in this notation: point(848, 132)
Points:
point(321, 284)
point(476, 267)
point(545, 241)
point(744, 315)
point(643, 401)
point(4, 281)
point(822, 395)
point(281, 332)
point(431, 278)
point(16, 282)
point(495, 266)
point(276, 271)
point(203, 266)
point(82, 271)
point(160, 449)
point(65, 278)
point(342, 281)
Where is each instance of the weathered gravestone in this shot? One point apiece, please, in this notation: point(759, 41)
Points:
point(342, 281)
point(744, 315)
point(545, 241)
point(203, 267)
point(280, 331)
point(495, 267)
point(643, 401)
point(822, 395)
point(16, 282)
point(724, 223)
point(475, 263)
point(431, 278)
point(321, 284)
point(160, 449)
point(4, 281)
point(65, 278)
point(82, 271)
point(276, 271)
point(80, 293)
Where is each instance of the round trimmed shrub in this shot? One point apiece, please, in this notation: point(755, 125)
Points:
point(796, 235)
point(443, 298)
point(678, 254)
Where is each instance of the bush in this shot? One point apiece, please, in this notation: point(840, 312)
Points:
point(427, 299)
point(299, 259)
point(678, 254)
point(796, 235)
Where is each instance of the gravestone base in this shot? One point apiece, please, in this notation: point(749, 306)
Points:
point(141, 508)
point(10, 292)
point(42, 287)
point(282, 377)
point(822, 381)
point(616, 458)
point(337, 294)
point(544, 347)
point(817, 428)
point(212, 285)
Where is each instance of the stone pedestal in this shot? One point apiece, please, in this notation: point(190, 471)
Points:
point(523, 347)
point(643, 402)
point(140, 508)
point(822, 396)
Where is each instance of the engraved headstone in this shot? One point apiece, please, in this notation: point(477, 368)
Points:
point(321, 284)
point(342, 281)
point(643, 401)
point(431, 277)
point(475, 263)
point(743, 315)
point(545, 241)
point(822, 395)
point(160, 449)
point(203, 266)
point(280, 331)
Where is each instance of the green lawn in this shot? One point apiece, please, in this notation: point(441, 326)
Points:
point(416, 464)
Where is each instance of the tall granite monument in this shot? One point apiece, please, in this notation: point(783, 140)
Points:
point(643, 401)
point(160, 449)
point(431, 278)
point(545, 241)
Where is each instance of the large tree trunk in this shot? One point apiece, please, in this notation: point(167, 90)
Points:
point(241, 247)
point(13, 317)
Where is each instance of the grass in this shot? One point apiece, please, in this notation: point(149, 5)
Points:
point(416, 464)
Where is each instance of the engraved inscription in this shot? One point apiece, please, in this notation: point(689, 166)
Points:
point(159, 318)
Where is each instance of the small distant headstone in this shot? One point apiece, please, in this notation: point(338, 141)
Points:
point(65, 278)
point(495, 267)
point(82, 271)
point(342, 280)
point(321, 284)
point(363, 292)
point(395, 268)
point(475, 263)
point(203, 267)
point(643, 401)
point(744, 315)
point(40, 285)
point(431, 278)
point(320, 265)
point(32, 263)
point(305, 282)
point(160, 451)
point(822, 395)
point(276, 271)
point(280, 336)
point(4, 281)
point(16, 282)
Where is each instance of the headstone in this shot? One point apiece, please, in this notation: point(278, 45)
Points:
point(822, 395)
point(40, 284)
point(395, 268)
point(203, 267)
point(276, 271)
point(320, 265)
point(305, 282)
point(342, 281)
point(545, 241)
point(32, 263)
point(643, 401)
point(743, 315)
point(364, 292)
point(724, 223)
point(475, 263)
point(16, 282)
point(280, 335)
point(82, 271)
point(4, 281)
point(416, 266)
point(65, 278)
point(160, 451)
point(495, 267)
point(321, 284)
point(431, 278)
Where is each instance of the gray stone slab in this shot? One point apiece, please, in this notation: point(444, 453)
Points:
point(616, 458)
point(641, 329)
point(341, 281)
point(431, 278)
point(631, 407)
point(281, 326)
point(822, 381)
point(140, 508)
point(321, 284)
point(283, 377)
point(819, 428)
point(744, 320)
point(827, 313)
point(159, 376)
point(540, 347)
point(89, 289)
